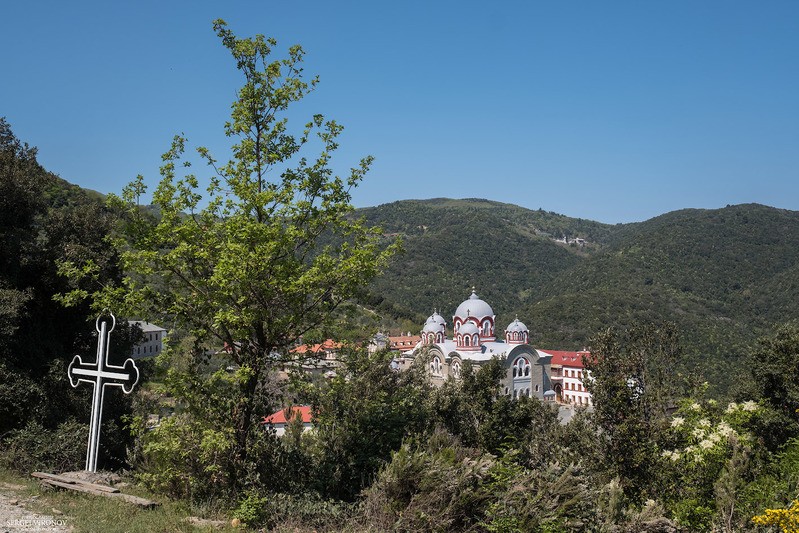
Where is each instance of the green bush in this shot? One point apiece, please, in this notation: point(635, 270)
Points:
point(35, 448)
point(305, 510)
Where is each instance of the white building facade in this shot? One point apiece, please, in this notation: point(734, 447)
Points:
point(153, 343)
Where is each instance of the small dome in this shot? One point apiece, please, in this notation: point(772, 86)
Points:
point(432, 326)
point(516, 325)
point(474, 306)
point(468, 328)
point(435, 318)
point(434, 323)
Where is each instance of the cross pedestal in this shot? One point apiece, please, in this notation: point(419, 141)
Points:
point(100, 375)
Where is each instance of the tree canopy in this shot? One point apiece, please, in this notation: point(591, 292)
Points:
point(242, 265)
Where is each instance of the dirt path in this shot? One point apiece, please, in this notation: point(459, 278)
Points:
point(14, 517)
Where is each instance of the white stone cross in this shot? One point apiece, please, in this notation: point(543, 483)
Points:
point(101, 374)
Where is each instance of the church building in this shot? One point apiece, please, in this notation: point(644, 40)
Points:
point(528, 371)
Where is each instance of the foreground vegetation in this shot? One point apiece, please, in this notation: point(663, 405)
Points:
point(270, 256)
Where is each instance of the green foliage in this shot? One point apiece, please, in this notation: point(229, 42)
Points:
point(37, 448)
point(244, 264)
point(433, 487)
point(632, 387)
point(707, 461)
point(45, 222)
point(473, 410)
point(775, 369)
point(361, 416)
point(293, 511)
point(498, 243)
point(553, 498)
point(441, 485)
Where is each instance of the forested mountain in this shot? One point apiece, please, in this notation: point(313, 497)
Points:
point(509, 253)
point(724, 276)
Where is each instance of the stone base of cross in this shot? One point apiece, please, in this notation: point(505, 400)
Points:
point(101, 374)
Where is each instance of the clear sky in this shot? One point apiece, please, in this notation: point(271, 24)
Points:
point(615, 111)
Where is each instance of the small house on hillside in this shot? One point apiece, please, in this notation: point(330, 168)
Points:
point(281, 419)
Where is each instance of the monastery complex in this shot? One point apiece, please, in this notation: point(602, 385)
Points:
point(549, 375)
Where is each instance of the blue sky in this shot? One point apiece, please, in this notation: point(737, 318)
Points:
point(615, 111)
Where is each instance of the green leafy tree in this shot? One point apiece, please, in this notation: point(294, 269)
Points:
point(361, 417)
point(243, 265)
point(632, 385)
point(775, 368)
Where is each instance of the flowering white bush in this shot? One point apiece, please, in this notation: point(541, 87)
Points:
point(699, 431)
point(701, 439)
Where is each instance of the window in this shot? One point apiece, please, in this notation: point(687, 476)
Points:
point(456, 369)
point(536, 388)
point(521, 367)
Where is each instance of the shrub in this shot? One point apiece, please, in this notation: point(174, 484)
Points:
point(35, 448)
point(305, 510)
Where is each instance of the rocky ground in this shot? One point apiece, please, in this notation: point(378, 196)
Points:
point(15, 516)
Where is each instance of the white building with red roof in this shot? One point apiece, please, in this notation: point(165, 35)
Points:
point(528, 371)
point(280, 420)
point(568, 377)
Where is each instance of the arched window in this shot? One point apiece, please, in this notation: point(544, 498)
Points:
point(475, 342)
point(435, 366)
point(486, 328)
point(536, 388)
point(514, 370)
point(506, 391)
point(456, 369)
point(467, 341)
point(521, 367)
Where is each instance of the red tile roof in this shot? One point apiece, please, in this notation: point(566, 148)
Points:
point(297, 411)
point(571, 359)
point(328, 345)
point(404, 341)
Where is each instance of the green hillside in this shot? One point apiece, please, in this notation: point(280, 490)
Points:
point(724, 276)
point(506, 251)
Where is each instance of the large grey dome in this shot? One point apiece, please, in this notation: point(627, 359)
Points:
point(474, 306)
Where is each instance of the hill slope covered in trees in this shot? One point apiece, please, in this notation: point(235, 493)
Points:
point(724, 276)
